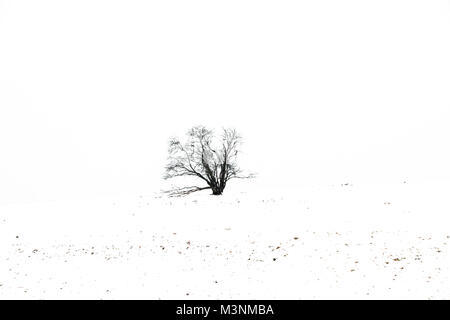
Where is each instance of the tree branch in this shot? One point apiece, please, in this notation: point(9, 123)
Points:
point(181, 192)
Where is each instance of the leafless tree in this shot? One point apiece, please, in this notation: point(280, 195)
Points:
point(202, 156)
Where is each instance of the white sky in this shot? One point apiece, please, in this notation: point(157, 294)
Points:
point(323, 91)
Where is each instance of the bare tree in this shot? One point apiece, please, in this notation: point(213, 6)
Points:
point(202, 157)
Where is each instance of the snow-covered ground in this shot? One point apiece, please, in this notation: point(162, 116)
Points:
point(343, 241)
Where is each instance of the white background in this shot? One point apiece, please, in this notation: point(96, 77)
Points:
point(344, 107)
point(323, 92)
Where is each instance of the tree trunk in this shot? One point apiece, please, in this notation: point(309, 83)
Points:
point(217, 190)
